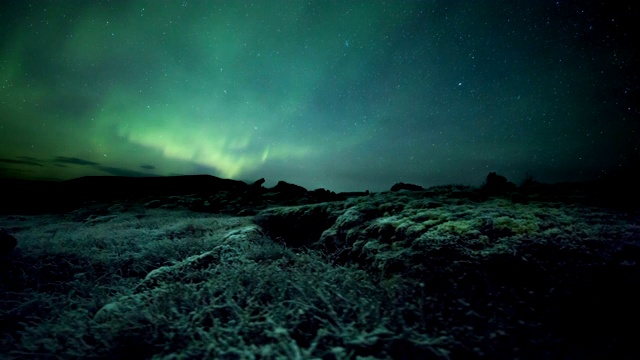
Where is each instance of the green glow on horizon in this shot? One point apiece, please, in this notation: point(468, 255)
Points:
point(333, 93)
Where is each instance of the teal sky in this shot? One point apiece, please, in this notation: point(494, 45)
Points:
point(345, 95)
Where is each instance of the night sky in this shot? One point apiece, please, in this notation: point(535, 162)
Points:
point(344, 95)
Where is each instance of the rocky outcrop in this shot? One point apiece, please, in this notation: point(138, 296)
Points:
point(288, 190)
point(497, 185)
point(258, 183)
point(410, 187)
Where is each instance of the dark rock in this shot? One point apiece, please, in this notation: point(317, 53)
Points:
point(258, 183)
point(287, 189)
point(7, 242)
point(322, 195)
point(403, 186)
point(497, 185)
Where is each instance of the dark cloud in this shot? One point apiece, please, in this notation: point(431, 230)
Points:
point(74, 161)
point(148, 167)
point(30, 158)
point(20, 162)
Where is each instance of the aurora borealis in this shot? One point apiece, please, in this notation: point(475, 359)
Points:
point(345, 95)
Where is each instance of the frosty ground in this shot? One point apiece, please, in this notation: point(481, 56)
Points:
point(441, 273)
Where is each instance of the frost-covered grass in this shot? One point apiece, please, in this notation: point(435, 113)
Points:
point(502, 279)
point(392, 275)
point(171, 284)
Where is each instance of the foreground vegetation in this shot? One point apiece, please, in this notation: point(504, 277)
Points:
point(392, 275)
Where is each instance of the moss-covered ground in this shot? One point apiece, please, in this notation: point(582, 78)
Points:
point(436, 274)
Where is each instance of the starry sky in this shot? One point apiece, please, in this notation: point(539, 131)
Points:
point(344, 95)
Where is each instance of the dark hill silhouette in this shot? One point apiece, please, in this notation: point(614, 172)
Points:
point(30, 196)
point(33, 196)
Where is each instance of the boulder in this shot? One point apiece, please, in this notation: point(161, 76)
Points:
point(497, 185)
